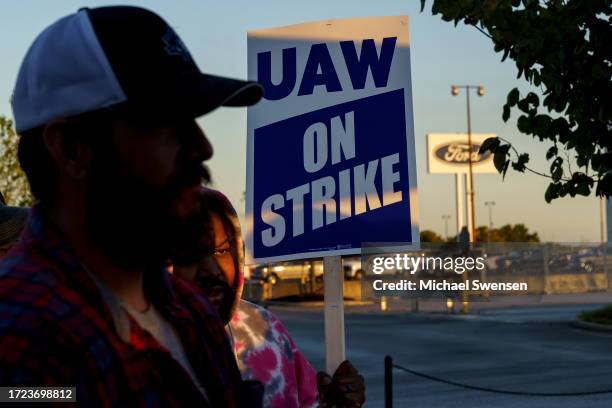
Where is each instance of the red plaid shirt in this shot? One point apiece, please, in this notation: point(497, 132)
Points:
point(56, 330)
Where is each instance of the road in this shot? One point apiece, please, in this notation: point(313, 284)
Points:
point(533, 349)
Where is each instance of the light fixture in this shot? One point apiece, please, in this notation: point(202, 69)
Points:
point(449, 305)
point(384, 305)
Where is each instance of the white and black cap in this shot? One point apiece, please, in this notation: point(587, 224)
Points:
point(102, 57)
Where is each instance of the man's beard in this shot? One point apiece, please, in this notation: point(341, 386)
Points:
point(211, 286)
point(130, 220)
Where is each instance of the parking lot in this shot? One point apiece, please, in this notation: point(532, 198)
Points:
point(533, 349)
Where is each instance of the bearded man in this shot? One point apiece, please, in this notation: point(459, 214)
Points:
point(105, 103)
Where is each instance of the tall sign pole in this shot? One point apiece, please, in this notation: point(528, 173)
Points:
point(469, 201)
point(455, 153)
point(470, 172)
point(602, 220)
point(608, 241)
point(470, 176)
point(459, 201)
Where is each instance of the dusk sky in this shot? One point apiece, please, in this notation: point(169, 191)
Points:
point(441, 54)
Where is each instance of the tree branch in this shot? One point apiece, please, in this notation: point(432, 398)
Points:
point(482, 31)
point(535, 171)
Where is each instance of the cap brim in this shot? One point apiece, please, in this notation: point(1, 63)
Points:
point(237, 92)
point(191, 96)
point(208, 92)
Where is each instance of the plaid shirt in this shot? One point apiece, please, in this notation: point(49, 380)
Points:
point(57, 330)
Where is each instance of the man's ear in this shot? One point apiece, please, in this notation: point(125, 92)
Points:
point(71, 155)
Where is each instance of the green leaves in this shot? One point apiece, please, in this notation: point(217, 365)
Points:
point(582, 184)
point(501, 155)
point(524, 124)
point(501, 159)
point(489, 144)
point(506, 114)
point(556, 169)
point(13, 182)
point(511, 100)
point(552, 192)
point(562, 48)
point(604, 184)
point(513, 97)
point(520, 163)
point(529, 103)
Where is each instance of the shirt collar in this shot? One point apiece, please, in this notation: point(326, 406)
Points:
point(120, 318)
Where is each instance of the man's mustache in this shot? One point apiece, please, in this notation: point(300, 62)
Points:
point(193, 174)
point(207, 283)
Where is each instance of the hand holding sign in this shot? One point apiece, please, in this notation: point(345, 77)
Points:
point(345, 389)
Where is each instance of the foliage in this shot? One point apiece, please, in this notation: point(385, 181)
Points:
point(602, 315)
point(506, 233)
point(430, 236)
point(13, 182)
point(564, 47)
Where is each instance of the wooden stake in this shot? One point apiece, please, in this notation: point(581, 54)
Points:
point(334, 312)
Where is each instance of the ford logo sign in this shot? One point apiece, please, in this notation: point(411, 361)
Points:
point(458, 153)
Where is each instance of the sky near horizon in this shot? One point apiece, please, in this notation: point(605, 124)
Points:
point(441, 55)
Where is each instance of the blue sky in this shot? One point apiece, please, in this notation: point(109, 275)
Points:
point(215, 33)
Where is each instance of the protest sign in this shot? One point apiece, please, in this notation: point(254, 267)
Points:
point(330, 151)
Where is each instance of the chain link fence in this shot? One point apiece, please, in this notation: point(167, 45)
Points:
point(546, 268)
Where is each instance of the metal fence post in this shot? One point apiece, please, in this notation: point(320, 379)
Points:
point(546, 259)
point(606, 271)
point(388, 382)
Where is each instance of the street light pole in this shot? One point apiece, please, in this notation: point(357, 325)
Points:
point(490, 204)
point(601, 219)
point(446, 217)
point(470, 186)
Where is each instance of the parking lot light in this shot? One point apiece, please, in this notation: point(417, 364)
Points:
point(384, 305)
point(450, 305)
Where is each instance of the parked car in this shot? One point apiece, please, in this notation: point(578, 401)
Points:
point(274, 273)
point(352, 268)
point(592, 261)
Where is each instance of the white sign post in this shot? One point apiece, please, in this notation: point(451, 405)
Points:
point(330, 150)
point(608, 220)
point(334, 312)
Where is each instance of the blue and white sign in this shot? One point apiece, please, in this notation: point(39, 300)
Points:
point(330, 152)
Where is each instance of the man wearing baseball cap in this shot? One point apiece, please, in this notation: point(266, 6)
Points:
point(105, 104)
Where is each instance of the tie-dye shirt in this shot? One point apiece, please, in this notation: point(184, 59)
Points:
point(265, 352)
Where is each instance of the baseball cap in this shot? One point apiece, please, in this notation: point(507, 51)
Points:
point(121, 55)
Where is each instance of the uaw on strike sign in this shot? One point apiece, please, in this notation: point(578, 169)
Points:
point(330, 152)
